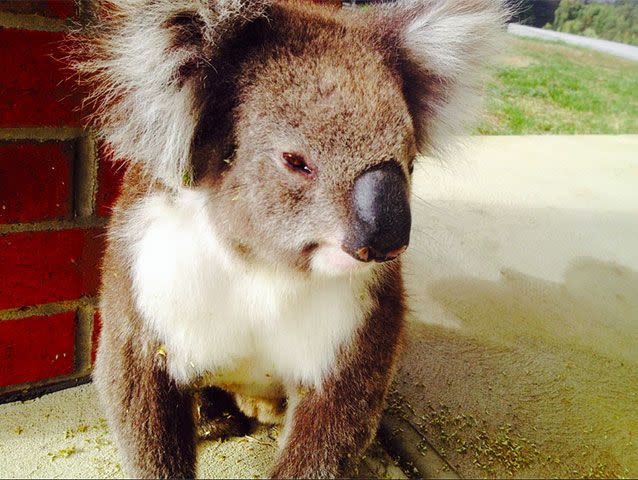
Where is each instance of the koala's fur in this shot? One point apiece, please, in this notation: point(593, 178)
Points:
point(223, 268)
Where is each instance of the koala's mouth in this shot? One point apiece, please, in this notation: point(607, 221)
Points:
point(333, 260)
point(309, 248)
point(367, 254)
point(378, 228)
point(304, 258)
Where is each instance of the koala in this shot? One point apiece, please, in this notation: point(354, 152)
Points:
point(255, 250)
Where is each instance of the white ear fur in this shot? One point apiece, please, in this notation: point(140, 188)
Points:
point(143, 109)
point(450, 43)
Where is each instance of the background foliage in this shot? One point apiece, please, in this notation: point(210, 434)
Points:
point(617, 21)
point(549, 87)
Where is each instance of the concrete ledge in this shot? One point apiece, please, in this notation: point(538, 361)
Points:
point(410, 447)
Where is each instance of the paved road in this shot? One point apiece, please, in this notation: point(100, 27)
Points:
point(613, 48)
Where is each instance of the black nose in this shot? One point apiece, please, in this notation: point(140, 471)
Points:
point(380, 214)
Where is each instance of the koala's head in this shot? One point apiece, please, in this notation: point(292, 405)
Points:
point(301, 123)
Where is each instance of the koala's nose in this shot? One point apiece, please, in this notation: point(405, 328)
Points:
point(380, 215)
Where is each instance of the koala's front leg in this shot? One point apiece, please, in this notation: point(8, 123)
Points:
point(149, 414)
point(329, 428)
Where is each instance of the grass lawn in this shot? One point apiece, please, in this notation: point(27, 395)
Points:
point(549, 87)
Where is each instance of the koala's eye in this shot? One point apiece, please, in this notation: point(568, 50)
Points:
point(297, 162)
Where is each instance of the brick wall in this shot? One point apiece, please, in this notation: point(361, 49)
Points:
point(55, 194)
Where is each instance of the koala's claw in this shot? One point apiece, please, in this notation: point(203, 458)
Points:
point(228, 425)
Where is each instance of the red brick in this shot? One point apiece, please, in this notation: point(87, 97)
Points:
point(36, 348)
point(44, 267)
point(35, 85)
point(46, 8)
point(61, 8)
point(35, 181)
point(110, 175)
point(97, 326)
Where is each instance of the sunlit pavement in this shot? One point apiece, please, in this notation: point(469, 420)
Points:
point(523, 274)
point(522, 355)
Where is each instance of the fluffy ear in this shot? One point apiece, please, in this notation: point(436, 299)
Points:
point(144, 62)
point(444, 47)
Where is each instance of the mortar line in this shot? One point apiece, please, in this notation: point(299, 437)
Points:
point(54, 225)
point(27, 21)
point(42, 134)
point(83, 338)
point(85, 176)
point(53, 308)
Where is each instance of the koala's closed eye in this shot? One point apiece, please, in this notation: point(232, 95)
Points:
point(297, 163)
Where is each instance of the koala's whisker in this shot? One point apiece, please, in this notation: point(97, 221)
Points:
point(427, 203)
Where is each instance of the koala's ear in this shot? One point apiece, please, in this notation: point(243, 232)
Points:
point(144, 62)
point(443, 48)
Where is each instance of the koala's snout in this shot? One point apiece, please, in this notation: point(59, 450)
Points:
point(380, 217)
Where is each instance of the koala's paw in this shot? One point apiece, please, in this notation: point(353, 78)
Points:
point(265, 410)
point(217, 416)
point(222, 427)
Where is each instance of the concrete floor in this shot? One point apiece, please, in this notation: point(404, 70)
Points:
point(522, 357)
point(523, 278)
point(63, 435)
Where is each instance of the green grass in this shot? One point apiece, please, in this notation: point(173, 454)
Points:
point(554, 88)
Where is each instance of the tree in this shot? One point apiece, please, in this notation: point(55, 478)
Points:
point(612, 21)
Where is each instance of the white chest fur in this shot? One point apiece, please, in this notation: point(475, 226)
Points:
point(217, 315)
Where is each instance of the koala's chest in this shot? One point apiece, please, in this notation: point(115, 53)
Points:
point(237, 324)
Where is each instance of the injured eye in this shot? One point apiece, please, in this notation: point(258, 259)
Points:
point(297, 163)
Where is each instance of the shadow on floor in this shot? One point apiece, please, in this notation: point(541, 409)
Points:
point(539, 380)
